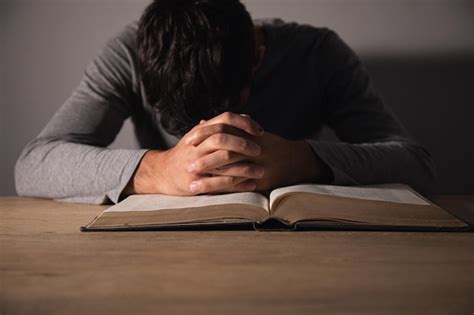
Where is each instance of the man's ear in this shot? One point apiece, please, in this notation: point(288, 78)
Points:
point(260, 54)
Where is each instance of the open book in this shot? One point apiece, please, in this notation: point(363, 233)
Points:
point(383, 207)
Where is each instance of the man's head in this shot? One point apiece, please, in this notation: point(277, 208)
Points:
point(196, 57)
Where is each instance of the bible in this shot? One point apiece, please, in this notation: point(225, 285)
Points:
point(299, 207)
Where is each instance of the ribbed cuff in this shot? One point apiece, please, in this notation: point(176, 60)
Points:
point(127, 173)
point(328, 153)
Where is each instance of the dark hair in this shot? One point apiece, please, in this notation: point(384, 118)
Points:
point(195, 57)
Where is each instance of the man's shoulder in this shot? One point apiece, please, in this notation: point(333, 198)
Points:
point(292, 30)
point(121, 48)
point(127, 35)
point(292, 41)
point(292, 37)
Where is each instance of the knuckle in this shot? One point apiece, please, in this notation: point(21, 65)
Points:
point(242, 171)
point(197, 133)
point(228, 117)
point(226, 156)
point(229, 181)
point(244, 145)
point(251, 186)
point(219, 128)
point(219, 139)
point(199, 165)
point(248, 170)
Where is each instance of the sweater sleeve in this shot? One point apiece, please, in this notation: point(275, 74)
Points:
point(69, 160)
point(375, 147)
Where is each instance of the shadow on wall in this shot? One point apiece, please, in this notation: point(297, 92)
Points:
point(434, 99)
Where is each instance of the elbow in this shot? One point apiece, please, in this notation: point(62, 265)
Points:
point(20, 180)
point(50, 168)
point(22, 173)
point(30, 172)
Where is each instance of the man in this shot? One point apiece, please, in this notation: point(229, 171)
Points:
point(245, 100)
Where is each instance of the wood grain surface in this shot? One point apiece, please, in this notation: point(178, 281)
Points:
point(48, 267)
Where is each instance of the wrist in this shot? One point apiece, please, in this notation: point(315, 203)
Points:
point(146, 179)
point(308, 164)
point(318, 171)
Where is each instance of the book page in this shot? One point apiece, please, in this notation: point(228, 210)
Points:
point(162, 210)
point(392, 205)
point(165, 202)
point(389, 192)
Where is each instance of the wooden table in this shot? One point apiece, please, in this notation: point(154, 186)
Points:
point(49, 267)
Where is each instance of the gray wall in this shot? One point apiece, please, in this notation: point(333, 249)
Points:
point(419, 52)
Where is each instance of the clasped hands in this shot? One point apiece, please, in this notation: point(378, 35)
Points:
point(228, 153)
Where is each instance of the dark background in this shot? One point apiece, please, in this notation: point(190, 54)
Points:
point(420, 54)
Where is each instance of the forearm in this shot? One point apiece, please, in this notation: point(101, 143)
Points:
point(381, 162)
point(74, 172)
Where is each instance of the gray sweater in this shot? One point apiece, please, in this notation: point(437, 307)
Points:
point(308, 78)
